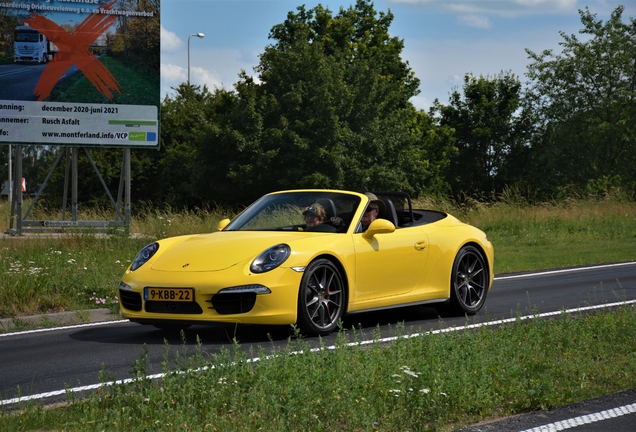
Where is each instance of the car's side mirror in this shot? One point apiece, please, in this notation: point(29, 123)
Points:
point(379, 226)
point(222, 224)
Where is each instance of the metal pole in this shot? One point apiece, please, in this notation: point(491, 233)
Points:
point(18, 190)
point(10, 180)
point(200, 36)
point(66, 172)
point(74, 185)
point(127, 195)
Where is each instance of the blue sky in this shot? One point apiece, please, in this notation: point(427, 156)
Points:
point(444, 39)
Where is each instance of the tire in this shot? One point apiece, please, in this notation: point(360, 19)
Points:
point(321, 298)
point(469, 281)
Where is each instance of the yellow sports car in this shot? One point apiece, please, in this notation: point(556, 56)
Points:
point(308, 257)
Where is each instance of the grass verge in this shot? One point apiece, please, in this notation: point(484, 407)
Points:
point(136, 86)
point(80, 271)
point(425, 383)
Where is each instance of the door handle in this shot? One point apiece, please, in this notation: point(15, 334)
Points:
point(420, 245)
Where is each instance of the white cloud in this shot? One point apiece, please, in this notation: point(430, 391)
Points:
point(170, 42)
point(478, 21)
point(455, 80)
point(201, 76)
point(502, 8)
point(172, 73)
point(421, 102)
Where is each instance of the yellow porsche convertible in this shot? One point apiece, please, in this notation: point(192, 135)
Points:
point(308, 257)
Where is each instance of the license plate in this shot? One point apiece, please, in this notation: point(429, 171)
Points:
point(169, 294)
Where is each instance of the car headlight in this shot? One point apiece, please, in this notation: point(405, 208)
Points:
point(270, 259)
point(144, 255)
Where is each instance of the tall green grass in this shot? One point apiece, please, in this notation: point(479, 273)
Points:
point(69, 271)
point(534, 236)
point(72, 271)
point(430, 382)
point(425, 383)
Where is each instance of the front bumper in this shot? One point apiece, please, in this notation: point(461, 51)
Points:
point(217, 297)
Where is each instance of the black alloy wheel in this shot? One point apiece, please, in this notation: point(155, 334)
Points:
point(469, 281)
point(321, 298)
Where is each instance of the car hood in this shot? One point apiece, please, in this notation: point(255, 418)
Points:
point(219, 250)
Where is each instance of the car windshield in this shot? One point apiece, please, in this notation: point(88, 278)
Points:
point(298, 211)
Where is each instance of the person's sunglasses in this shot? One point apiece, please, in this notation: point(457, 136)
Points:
point(370, 209)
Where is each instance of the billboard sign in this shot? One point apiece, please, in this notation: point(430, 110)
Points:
point(80, 73)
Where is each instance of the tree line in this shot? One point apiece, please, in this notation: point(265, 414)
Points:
point(329, 107)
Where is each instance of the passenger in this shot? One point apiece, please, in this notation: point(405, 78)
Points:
point(375, 208)
point(314, 215)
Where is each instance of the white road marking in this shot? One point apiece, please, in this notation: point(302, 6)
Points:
point(586, 419)
point(48, 329)
point(19, 333)
point(332, 347)
point(570, 270)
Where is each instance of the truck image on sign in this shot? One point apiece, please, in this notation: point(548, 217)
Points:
point(31, 46)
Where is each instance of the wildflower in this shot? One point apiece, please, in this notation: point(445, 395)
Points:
point(407, 370)
point(395, 392)
point(411, 373)
point(425, 391)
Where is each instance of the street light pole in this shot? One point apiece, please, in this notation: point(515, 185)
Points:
point(200, 36)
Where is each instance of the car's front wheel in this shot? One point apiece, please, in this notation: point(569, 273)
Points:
point(469, 281)
point(321, 298)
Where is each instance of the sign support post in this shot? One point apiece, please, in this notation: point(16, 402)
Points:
point(106, 115)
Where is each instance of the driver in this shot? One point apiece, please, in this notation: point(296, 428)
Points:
point(375, 208)
point(314, 215)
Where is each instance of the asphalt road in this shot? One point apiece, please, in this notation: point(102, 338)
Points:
point(17, 80)
point(42, 364)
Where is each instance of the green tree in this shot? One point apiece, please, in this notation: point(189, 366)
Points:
point(137, 38)
point(330, 109)
point(490, 133)
point(170, 173)
point(9, 20)
point(584, 99)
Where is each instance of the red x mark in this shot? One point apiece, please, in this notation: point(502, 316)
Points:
point(73, 50)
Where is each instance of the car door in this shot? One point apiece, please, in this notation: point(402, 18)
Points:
point(388, 264)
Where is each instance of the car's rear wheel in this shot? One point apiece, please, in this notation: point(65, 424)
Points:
point(321, 298)
point(469, 281)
